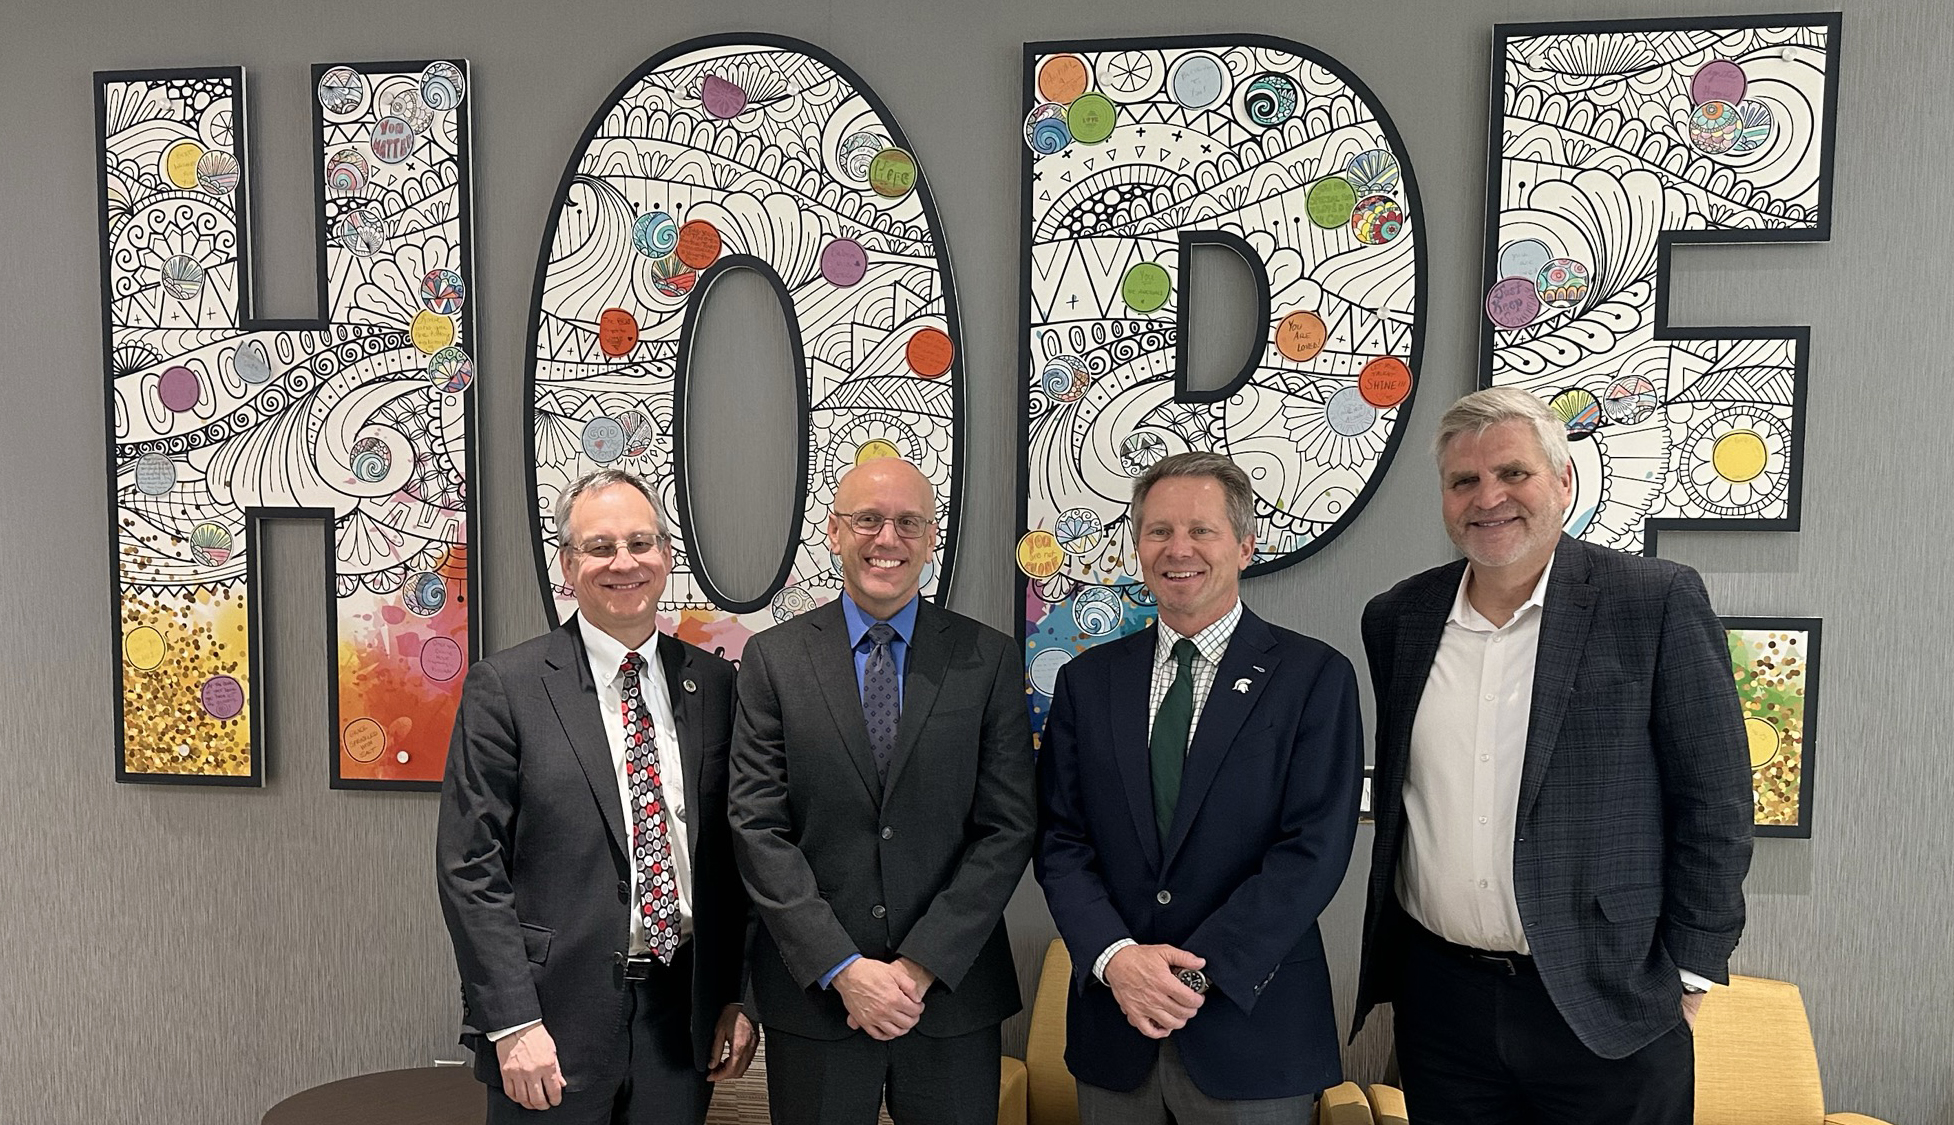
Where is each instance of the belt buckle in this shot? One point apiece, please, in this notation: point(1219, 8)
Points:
point(632, 968)
point(1493, 959)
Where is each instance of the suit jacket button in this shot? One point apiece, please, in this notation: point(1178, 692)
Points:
point(623, 891)
point(1164, 897)
point(879, 911)
point(888, 833)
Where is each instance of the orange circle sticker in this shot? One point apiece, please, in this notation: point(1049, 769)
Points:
point(698, 244)
point(1384, 382)
point(1301, 335)
point(929, 352)
point(1062, 78)
point(1039, 554)
point(617, 332)
point(365, 740)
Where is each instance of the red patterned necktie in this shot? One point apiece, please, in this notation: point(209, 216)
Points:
point(651, 841)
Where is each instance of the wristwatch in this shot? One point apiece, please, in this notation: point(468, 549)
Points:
point(1195, 980)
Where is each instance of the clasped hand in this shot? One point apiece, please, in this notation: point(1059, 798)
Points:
point(1146, 983)
point(884, 998)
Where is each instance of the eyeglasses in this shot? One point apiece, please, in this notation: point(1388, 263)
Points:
point(870, 523)
point(604, 550)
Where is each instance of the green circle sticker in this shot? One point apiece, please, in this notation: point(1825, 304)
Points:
point(1091, 118)
point(1145, 287)
point(893, 173)
point(1331, 201)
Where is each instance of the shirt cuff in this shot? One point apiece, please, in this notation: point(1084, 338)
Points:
point(828, 977)
point(496, 1036)
point(1106, 958)
point(1695, 982)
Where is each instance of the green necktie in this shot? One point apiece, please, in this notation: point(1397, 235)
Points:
point(1168, 746)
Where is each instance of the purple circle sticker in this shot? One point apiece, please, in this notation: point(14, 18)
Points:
point(223, 697)
point(179, 388)
point(1513, 302)
point(440, 659)
point(721, 98)
point(393, 139)
point(1718, 81)
point(843, 262)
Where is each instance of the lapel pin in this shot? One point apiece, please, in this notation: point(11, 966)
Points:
point(690, 686)
point(1241, 685)
point(1258, 668)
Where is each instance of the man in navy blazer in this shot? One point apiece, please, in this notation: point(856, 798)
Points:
point(1563, 802)
point(1198, 799)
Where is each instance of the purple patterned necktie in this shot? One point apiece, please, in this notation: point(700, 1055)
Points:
point(881, 697)
point(651, 841)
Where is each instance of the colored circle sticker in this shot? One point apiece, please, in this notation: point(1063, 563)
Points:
point(440, 659)
point(222, 697)
point(1198, 81)
point(432, 331)
point(1039, 554)
point(1045, 129)
point(617, 332)
point(1384, 381)
point(698, 244)
point(179, 388)
point(1376, 220)
point(603, 440)
point(341, 90)
point(1348, 413)
point(892, 173)
point(1764, 741)
point(1145, 287)
point(1091, 118)
point(155, 474)
point(143, 647)
point(655, 234)
point(721, 98)
point(180, 163)
point(182, 277)
point(1062, 79)
point(843, 262)
point(451, 370)
point(1045, 667)
point(1713, 128)
point(1739, 455)
point(217, 172)
point(424, 594)
point(929, 352)
point(875, 449)
point(393, 140)
point(1331, 200)
point(443, 292)
point(1719, 80)
point(1513, 302)
point(1301, 335)
point(364, 740)
point(1524, 258)
point(210, 544)
point(443, 85)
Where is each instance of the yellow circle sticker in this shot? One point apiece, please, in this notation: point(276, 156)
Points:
point(1039, 554)
point(432, 331)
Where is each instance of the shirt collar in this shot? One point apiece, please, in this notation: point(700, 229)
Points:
point(1211, 642)
point(903, 622)
point(606, 653)
point(1464, 614)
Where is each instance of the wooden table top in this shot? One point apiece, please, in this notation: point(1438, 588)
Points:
point(431, 1095)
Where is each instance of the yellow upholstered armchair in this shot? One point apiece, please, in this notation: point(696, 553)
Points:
point(1755, 1062)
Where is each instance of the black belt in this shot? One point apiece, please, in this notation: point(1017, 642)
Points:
point(1502, 961)
point(647, 966)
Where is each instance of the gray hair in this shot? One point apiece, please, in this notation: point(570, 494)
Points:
point(597, 482)
point(1482, 410)
point(1239, 493)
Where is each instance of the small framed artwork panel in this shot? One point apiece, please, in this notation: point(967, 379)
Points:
point(1775, 662)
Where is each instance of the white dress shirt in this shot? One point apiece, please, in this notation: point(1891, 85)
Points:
point(1462, 784)
point(1209, 645)
point(606, 655)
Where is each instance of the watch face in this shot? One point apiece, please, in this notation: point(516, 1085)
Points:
point(1194, 979)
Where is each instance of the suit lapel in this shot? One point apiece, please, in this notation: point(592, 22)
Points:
point(929, 660)
point(574, 698)
point(1127, 699)
point(1564, 622)
point(685, 716)
point(1221, 719)
point(1420, 629)
point(833, 662)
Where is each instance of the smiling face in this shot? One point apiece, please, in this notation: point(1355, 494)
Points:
point(1503, 503)
point(1188, 552)
point(620, 594)
point(883, 571)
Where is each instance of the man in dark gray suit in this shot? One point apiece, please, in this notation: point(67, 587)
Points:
point(1562, 798)
point(584, 862)
point(882, 809)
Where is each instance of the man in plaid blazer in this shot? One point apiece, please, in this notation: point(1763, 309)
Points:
point(1562, 799)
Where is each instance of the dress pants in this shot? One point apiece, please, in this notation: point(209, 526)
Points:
point(658, 1085)
point(1480, 1043)
point(1169, 1097)
point(950, 1081)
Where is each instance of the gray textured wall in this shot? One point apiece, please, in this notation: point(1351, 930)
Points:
point(190, 956)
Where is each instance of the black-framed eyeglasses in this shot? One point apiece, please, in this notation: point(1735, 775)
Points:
point(870, 523)
point(605, 550)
